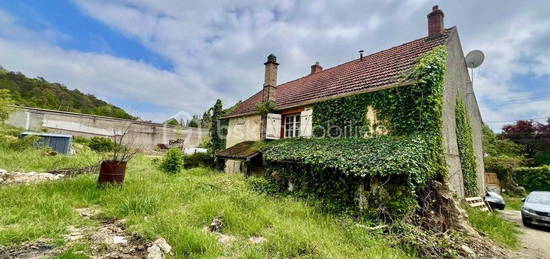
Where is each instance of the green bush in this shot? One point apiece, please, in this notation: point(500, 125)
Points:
point(26, 142)
point(81, 140)
point(173, 161)
point(101, 144)
point(543, 158)
point(261, 185)
point(330, 170)
point(534, 178)
point(199, 160)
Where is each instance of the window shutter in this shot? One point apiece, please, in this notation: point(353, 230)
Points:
point(306, 123)
point(273, 126)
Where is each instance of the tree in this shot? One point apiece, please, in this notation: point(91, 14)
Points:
point(206, 121)
point(6, 103)
point(534, 136)
point(193, 123)
point(172, 122)
point(216, 142)
point(39, 93)
point(494, 146)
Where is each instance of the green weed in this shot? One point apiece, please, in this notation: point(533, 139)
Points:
point(497, 228)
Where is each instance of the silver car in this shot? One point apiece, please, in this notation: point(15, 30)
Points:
point(536, 209)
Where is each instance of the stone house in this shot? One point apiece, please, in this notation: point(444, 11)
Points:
point(379, 71)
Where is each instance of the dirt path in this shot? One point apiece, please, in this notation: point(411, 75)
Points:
point(535, 241)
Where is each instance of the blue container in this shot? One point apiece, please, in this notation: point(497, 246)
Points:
point(60, 143)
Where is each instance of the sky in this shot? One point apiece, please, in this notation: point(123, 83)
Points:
point(174, 58)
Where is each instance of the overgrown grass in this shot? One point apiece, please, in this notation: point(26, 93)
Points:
point(502, 231)
point(39, 160)
point(513, 203)
point(177, 207)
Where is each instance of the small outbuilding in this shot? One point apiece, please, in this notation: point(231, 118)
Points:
point(244, 157)
point(60, 143)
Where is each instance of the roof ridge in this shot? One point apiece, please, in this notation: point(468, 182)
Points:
point(379, 69)
point(347, 62)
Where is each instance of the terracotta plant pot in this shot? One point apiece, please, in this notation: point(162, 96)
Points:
point(111, 172)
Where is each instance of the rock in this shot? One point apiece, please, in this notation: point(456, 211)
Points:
point(87, 212)
point(225, 239)
point(216, 225)
point(467, 250)
point(120, 222)
point(18, 177)
point(74, 234)
point(257, 240)
point(163, 245)
point(154, 252)
point(119, 240)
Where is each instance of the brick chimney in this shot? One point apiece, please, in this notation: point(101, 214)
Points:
point(270, 80)
point(316, 68)
point(435, 21)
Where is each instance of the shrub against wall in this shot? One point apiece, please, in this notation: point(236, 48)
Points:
point(331, 169)
point(199, 160)
point(173, 161)
point(101, 144)
point(411, 156)
point(466, 148)
point(534, 178)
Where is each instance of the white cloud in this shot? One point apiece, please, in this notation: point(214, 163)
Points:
point(107, 77)
point(218, 48)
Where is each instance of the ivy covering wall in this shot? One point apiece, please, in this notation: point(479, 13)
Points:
point(466, 148)
point(402, 162)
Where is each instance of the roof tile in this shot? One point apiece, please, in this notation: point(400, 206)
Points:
point(374, 71)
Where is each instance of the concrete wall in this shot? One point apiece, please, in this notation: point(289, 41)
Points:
point(457, 81)
point(140, 134)
point(246, 128)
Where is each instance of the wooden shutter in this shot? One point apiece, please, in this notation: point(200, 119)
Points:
point(273, 126)
point(306, 123)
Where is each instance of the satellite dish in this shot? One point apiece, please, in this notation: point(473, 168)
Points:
point(474, 58)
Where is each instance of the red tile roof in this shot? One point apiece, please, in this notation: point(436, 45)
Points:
point(374, 71)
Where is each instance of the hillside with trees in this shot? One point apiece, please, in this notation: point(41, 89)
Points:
point(39, 93)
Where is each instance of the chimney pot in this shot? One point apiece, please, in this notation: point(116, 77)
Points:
point(316, 68)
point(435, 21)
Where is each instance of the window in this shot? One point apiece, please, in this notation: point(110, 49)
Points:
point(292, 125)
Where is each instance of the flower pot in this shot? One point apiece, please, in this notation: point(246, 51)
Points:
point(111, 172)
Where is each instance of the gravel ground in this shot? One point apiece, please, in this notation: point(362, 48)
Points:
point(535, 241)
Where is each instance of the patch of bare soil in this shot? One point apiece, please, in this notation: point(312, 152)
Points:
point(107, 240)
point(28, 250)
point(535, 240)
point(34, 177)
point(110, 239)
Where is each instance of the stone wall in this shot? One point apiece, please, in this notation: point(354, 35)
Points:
point(145, 135)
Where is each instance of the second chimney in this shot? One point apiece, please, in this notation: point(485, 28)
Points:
point(316, 68)
point(270, 80)
point(435, 21)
